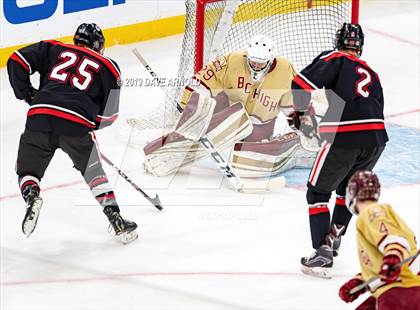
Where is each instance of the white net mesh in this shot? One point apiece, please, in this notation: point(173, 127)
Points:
point(301, 30)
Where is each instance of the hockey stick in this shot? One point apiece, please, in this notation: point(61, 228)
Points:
point(155, 201)
point(208, 145)
point(374, 279)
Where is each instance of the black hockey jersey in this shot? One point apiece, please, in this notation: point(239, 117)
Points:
point(78, 88)
point(354, 118)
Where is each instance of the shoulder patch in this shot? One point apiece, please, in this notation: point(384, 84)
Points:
point(219, 63)
point(374, 213)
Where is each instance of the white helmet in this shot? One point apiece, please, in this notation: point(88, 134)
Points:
point(260, 55)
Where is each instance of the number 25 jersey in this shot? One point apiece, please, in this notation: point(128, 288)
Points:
point(78, 88)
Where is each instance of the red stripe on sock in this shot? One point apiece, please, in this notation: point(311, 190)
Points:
point(340, 202)
point(317, 210)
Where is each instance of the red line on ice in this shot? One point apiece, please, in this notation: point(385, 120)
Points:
point(401, 113)
point(44, 189)
point(397, 38)
point(116, 277)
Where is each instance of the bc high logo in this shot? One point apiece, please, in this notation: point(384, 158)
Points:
point(15, 14)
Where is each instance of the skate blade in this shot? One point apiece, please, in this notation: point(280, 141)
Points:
point(28, 225)
point(128, 237)
point(319, 272)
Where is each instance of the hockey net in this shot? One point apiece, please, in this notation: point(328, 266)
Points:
point(301, 30)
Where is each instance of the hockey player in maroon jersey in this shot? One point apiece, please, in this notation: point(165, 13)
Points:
point(78, 93)
point(352, 133)
point(387, 249)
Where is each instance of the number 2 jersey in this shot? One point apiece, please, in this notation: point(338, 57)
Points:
point(78, 88)
point(354, 118)
point(380, 231)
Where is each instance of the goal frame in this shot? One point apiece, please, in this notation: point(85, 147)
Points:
point(200, 23)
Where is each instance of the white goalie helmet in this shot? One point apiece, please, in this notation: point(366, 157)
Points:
point(260, 55)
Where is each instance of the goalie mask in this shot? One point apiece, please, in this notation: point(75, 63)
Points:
point(260, 55)
point(363, 185)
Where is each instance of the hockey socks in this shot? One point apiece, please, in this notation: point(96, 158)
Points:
point(319, 221)
point(341, 215)
point(101, 190)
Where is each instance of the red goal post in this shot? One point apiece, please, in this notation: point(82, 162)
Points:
point(301, 29)
point(299, 4)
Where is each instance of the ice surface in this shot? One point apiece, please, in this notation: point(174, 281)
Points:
point(211, 248)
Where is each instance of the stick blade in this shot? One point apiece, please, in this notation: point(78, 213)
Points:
point(156, 202)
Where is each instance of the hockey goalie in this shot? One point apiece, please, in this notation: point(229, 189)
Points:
point(237, 105)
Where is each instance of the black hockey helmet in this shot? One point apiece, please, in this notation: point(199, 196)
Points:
point(91, 36)
point(350, 36)
point(363, 185)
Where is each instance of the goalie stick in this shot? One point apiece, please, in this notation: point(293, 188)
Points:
point(374, 279)
point(155, 201)
point(208, 145)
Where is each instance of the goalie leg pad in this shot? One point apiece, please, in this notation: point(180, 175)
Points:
point(170, 152)
point(264, 159)
point(196, 117)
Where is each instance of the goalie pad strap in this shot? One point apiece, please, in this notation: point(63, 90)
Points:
point(261, 131)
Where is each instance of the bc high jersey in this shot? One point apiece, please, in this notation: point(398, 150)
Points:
point(380, 231)
point(262, 100)
point(78, 88)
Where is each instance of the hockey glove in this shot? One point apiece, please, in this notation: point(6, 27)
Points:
point(30, 94)
point(390, 272)
point(294, 119)
point(345, 289)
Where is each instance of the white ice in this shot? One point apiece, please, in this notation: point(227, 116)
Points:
point(211, 248)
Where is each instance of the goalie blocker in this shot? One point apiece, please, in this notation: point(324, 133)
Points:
point(227, 126)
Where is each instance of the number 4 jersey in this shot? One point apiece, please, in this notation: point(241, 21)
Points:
point(78, 88)
point(354, 118)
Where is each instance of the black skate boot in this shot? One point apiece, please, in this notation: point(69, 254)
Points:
point(333, 239)
point(124, 229)
point(33, 208)
point(319, 264)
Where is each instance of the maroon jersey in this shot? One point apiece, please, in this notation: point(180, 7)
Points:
point(78, 88)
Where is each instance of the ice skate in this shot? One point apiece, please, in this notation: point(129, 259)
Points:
point(319, 264)
point(124, 230)
point(33, 208)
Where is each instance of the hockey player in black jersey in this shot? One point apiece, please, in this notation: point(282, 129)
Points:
point(78, 93)
point(352, 134)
